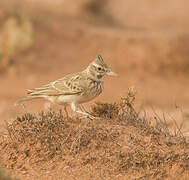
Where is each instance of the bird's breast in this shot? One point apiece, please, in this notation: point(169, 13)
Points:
point(95, 88)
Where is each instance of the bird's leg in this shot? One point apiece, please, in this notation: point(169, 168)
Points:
point(65, 109)
point(23, 106)
point(76, 109)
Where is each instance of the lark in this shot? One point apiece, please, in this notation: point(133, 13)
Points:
point(74, 89)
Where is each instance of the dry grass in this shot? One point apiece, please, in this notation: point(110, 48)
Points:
point(120, 142)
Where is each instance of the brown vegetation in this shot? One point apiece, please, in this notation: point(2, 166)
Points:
point(118, 143)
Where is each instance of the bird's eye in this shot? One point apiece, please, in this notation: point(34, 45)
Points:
point(99, 68)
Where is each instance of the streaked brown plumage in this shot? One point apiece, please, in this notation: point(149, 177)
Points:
point(74, 89)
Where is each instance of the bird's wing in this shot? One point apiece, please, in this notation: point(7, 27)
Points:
point(68, 85)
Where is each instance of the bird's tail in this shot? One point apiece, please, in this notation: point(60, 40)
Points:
point(20, 101)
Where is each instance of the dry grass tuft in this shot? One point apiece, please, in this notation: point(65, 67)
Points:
point(119, 143)
point(105, 110)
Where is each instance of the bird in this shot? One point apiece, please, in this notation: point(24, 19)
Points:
point(74, 89)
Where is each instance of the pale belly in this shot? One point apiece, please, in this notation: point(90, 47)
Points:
point(68, 99)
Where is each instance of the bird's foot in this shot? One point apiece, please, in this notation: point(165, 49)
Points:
point(87, 115)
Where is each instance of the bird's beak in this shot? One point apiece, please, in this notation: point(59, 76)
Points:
point(111, 73)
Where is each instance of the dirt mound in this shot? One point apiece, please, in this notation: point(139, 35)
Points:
point(119, 144)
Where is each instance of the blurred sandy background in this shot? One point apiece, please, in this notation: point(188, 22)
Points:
point(145, 42)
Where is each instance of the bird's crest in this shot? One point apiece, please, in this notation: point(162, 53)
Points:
point(99, 61)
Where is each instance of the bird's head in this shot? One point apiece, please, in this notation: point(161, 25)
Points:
point(97, 69)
